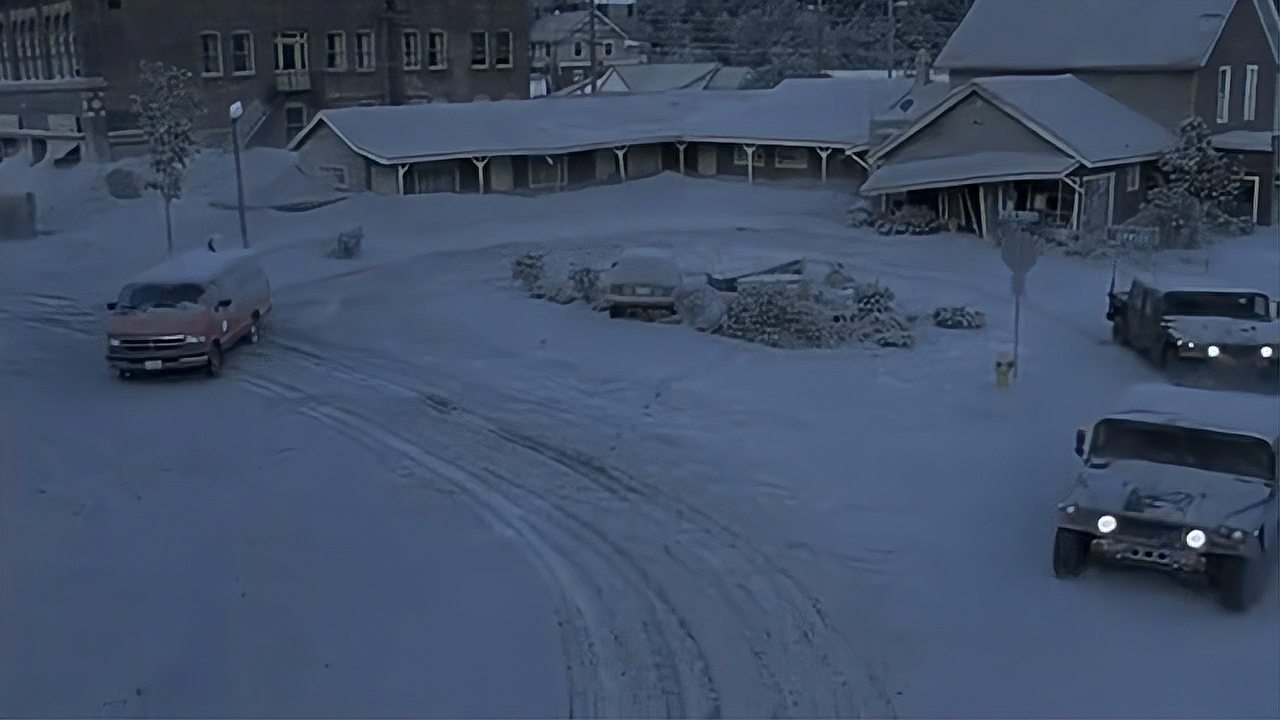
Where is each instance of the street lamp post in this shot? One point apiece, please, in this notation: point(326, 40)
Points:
point(237, 110)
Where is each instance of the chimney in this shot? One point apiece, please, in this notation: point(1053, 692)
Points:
point(924, 67)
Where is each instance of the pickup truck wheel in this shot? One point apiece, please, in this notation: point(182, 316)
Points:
point(1229, 576)
point(214, 368)
point(1070, 553)
point(1167, 356)
point(1119, 333)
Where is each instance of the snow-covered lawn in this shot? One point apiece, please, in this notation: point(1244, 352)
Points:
point(426, 494)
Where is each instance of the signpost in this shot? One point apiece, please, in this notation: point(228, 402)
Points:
point(1019, 249)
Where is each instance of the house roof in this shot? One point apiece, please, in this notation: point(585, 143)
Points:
point(1236, 412)
point(923, 98)
point(561, 26)
point(1243, 140)
point(1062, 35)
point(730, 78)
point(833, 113)
point(657, 77)
point(1086, 124)
point(967, 169)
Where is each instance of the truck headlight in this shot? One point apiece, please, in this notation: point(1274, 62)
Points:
point(1213, 351)
point(115, 342)
point(193, 339)
point(1106, 523)
point(1196, 539)
point(1266, 351)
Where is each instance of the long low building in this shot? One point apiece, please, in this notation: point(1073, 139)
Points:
point(813, 129)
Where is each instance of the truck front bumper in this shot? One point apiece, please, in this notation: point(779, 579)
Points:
point(151, 362)
point(1134, 552)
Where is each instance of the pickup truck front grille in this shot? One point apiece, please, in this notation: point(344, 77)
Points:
point(1148, 532)
point(162, 342)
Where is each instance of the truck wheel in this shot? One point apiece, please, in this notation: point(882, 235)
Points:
point(1070, 553)
point(1168, 356)
point(1228, 576)
point(615, 312)
point(1119, 333)
point(214, 368)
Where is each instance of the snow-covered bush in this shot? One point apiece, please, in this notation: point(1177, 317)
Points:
point(860, 216)
point(959, 318)
point(701, 307)
point(876, 321)
point(528, 271)
point(348, 245)
point(910, 220)
point(585, 283)
point(124, 184)
point(775, 315)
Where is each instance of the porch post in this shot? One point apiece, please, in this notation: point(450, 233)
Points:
point(560, 171)
point(621, 152)
point(480, 162)
point(824, 152)
point(680, 146)
point(751, 162)
point(400, 172)
point(1075, 204)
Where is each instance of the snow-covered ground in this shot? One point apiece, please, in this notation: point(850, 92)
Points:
point(424, 494)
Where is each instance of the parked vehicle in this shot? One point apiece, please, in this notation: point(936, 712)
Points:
point(642, 281)
point(1207, 328)
point(1179, 479)
point(187, 312)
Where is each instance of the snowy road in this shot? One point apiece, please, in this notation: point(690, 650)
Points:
point(463, 502)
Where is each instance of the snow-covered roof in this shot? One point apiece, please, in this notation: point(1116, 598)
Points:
point(967, 169)
point(1063, 35)
point(730, 78)
point(1243, 140)
point(915, 102)
point(1236, 412)
point(823, 112)
point(658, 77)
point(196, 266)
point(1081, 121)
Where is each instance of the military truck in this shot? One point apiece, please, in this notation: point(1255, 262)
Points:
point(1180, 479)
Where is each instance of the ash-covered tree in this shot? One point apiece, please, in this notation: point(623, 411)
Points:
point(166, 110)
point(1200, 180)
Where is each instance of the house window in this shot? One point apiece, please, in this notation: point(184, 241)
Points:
point(579, 75)
point(544, 172)
point(411, 46)
point(608, 48)
point(1133, 178)
point(115, 4)
point(502, 54)
point(437, 50)
point(242, 53)
point(295, 119)
point(335, 51)
point(337, 175)
point(51, 36)
point(1224, 94)
point(577, 49)
point(795, 158)
point(364, 51)
point(30, 60)
point(69, 35)
point(210, 54)
point(479, 49)
point(291, 51)
point(740, 156)
point(60, 38)
point(1250, 92)
point(540, 50)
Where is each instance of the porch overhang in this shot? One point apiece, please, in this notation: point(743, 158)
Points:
point(968, 169)
point(1243, 141)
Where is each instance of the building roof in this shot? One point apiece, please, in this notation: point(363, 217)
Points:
point(1243, 140)
point(731, 77)
point(967, 169)
point(1236, 412)
point(1063, 35)
point(659, 77)
point(823, 112)
point(563, 25)
point(914, 103)
point(1086, 124)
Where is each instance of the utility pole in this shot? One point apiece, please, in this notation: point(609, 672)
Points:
point(236, 111)
point(592, 22)
point(893, 30)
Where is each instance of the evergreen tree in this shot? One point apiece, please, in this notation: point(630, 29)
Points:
point(1199, 180)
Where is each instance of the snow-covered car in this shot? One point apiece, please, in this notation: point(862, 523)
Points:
point(1180, 479)
point(642, 280)
point(816, 273)
point(1207, 328)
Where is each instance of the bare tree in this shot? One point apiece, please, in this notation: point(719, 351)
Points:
point(166, 111)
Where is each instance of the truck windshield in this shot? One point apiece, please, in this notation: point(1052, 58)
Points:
point(1243, 306)
point(160, 295)
point(1209, 450)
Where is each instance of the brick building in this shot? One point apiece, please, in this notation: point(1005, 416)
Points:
point(68, 67)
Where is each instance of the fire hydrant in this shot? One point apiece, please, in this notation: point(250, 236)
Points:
point(1004, 369)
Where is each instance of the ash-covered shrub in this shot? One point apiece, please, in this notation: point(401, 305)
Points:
point(528, 272)
point(959, 318)
point(585, 283)
point(348, 245)
point(124, 184)
point(910, 220)
point(701, 307)
point(775, 315)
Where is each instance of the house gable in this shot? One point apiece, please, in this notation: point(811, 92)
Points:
point(1244, 41)
point(971, 125)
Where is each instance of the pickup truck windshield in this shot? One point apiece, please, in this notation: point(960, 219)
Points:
point(160, 296)
point(1187, 447)
point(1242, 306)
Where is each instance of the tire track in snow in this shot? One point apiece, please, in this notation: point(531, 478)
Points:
point(613, 670)
point(803, 663)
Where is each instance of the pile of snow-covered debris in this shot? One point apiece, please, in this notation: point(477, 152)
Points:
point(552, 278)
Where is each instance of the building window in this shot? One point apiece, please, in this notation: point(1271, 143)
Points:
point(6, 72)
point(544, 172)
point(60, 42)
point(740, 156)
point(411, 46)
point(210, 54)
point(479, 49)
point(364, 51)
point(577, 49)
point(115, 4)
point(1250, 92)
point(335, 51)
point(68, 36)
point(291, 51)
point(1133, 178)
point(796, 158)
point(54, 47)
point(1224, 94)
point(242, 62)
point(539, 50)
point(502, 51)
point(437, 50)
point(337, 175)
point(608, 48)
point(579, 75)
point(30, 59)
point(295, 119)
